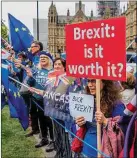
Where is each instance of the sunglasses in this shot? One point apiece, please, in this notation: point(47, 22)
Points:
point(91, 80)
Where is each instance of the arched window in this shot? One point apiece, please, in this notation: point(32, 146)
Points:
point(51, 19)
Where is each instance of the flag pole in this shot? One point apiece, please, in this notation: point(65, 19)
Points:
point(18, 82)
point(37, 20)
point(1, 10)
point(130, 44)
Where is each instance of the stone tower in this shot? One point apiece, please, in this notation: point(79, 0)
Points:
point(56, 28)
point(52, 22)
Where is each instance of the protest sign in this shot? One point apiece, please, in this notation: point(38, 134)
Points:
point(56, 96)
point(81, 105)
point(97, 49)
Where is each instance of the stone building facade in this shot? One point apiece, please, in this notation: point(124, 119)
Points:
point(56, 27)
point(131, 22)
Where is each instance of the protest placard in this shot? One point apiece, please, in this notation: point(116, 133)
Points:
point(81, 105)
point(56, 98)
point(97, 49)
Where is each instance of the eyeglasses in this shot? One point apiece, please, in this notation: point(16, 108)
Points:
point(33, 46)
point(92, 80)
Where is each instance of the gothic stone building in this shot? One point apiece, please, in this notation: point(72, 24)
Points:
point(131, 22)
point(56, 27)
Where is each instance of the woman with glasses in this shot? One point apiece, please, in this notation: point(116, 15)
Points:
point(33, 60)
point(34, 52)
point(37, 80)
point(110, 107)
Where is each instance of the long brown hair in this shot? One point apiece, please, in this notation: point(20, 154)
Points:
point(110, 94)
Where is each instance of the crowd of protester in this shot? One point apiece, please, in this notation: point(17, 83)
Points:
point(118, 102)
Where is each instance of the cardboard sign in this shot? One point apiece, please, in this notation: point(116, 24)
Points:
point(81, 105)
point(97, 49)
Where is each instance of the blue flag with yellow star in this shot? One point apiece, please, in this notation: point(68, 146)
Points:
point(18, 108)
point(20, 35)
point(17, 101)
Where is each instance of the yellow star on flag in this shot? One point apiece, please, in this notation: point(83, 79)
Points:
point(15, 94)
point(23, 28)
point(18, 94)
point(16, 29)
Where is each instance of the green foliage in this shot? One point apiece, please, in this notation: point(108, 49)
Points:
point(4, 31)
point(13, 140)
point(107, 13)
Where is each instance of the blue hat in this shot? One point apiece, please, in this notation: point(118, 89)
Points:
point(48, 55)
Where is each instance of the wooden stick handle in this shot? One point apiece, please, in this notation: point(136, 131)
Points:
point(98, 109)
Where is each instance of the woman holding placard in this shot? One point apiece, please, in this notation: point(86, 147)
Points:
point(56, 86)
point(110, 107)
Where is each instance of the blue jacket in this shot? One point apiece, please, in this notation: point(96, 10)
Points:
point(91, 134)
point(34, 58)
point(38, 81)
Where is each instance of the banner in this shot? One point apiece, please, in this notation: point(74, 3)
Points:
point(98, 50)
point(56, 97)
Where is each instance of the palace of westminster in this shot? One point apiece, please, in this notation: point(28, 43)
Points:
point(56, 25)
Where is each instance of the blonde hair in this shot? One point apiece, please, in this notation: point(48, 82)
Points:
point(49, 67)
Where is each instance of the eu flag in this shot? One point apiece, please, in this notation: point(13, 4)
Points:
point(21, 108)
point(3, 97)
point(18, 108)
point(20, 36)
point(13, 112)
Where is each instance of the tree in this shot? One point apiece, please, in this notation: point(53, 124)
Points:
point(4, 31)
point(107, 13)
